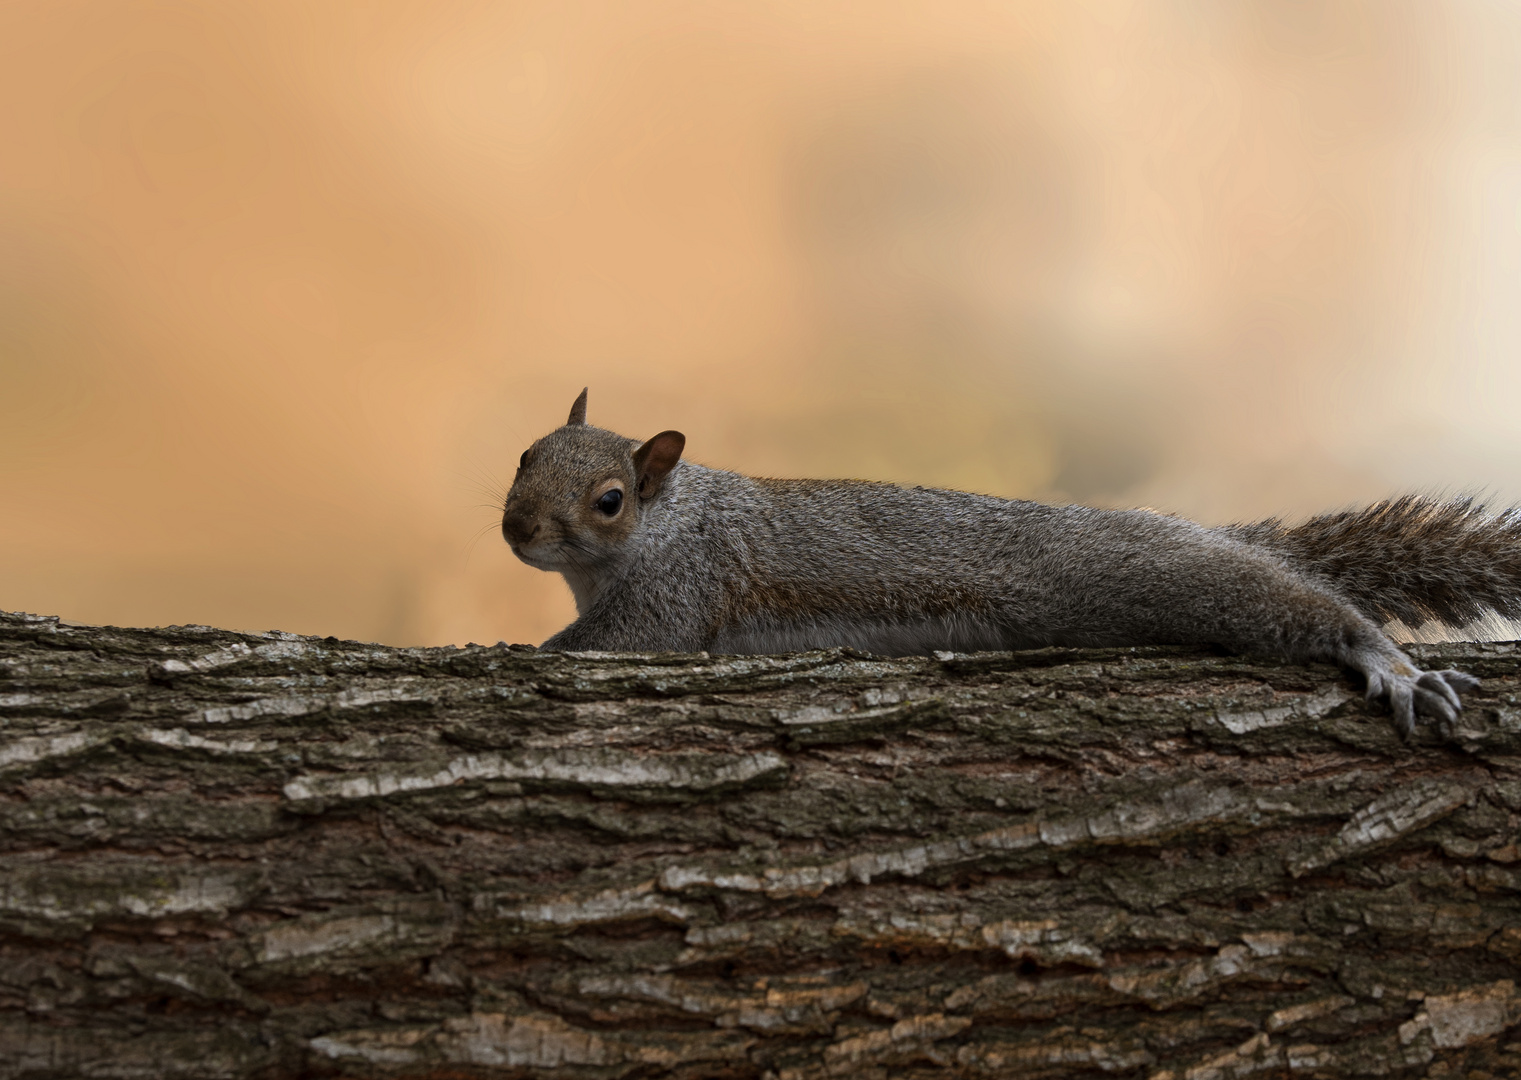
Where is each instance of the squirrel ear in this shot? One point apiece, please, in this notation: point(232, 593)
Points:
point(656, 458)
point(578, 410)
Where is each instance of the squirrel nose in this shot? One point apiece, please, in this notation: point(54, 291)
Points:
point(519, 528)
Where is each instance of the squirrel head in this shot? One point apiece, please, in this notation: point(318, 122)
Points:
point(580, 492)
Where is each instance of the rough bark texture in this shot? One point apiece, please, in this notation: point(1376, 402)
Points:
point(226, 855)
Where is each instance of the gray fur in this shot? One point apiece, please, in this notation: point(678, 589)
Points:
point(1413, 559)
point(716, 561)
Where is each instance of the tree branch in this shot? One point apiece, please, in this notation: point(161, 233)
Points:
point(229, 855)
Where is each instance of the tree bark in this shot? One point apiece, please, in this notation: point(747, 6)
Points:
point(243, 856)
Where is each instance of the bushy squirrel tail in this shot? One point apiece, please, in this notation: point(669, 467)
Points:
point(1413, 558)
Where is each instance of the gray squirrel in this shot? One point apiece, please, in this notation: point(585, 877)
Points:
point(666, 555)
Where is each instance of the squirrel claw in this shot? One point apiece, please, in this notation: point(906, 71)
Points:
point(1402, 703)
point(1431, 704)
point(1435, 682)
point(1414, 695)
point(1460, 681)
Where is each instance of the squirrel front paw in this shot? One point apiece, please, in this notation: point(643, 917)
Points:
point(1413, 693)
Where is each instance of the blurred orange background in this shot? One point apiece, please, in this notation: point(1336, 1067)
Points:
point(285, 288)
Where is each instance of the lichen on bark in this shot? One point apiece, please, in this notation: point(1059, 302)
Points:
point(268, 856)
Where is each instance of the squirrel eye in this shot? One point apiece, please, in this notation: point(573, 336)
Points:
point(610, 502)
point(523, 461)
